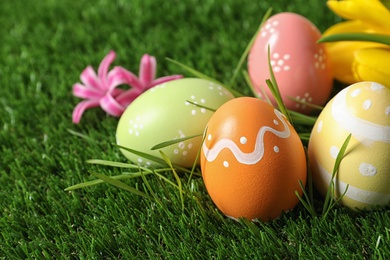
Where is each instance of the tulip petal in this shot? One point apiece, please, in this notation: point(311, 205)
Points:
point(371, 12)
point(347, 27)
point(341, 55)
point(81, 107)
point(372, 65)
point(86, 92)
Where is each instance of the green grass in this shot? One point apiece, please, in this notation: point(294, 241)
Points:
point(44, 47)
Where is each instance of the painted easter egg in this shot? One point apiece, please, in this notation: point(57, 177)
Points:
point(301, 67)
point(362, 110)
point(252, 160)
point(167, 112)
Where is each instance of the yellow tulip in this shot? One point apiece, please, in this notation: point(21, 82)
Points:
point(372, 65)
point(350, 62)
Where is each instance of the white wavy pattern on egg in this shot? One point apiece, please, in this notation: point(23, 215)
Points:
point(354, 125)
point(258, 152)
point(364, 196)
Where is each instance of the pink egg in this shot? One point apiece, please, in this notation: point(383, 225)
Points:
point(301, 66)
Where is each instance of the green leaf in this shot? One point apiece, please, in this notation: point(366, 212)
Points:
point(119, 184)
point(386, 3)
point(204, 76)
point(367, 37)
point(247, 49)
point(174, 141)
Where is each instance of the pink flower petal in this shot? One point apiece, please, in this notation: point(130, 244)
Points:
point(165, 79)
point(81, 107)
point(147, 71)
point(131, 79)
point(86, 92)
point(111, 106)
point(89, 78)
point(128, 96)
point(115, 78)
point(104, 65)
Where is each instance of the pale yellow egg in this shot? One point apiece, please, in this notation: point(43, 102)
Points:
point(362, 110)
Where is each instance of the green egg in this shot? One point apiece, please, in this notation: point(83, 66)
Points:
point(165, 112)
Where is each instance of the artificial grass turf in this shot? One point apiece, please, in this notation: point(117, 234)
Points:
point(44, 47)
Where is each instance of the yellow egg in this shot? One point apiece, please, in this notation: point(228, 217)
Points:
point(362, 110)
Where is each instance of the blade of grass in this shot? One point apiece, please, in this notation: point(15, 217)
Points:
point(273, 86)
point(72, 132)
point(302, 119)
point(204, 76)
point(252, 88)
point(305, 103)
point(179, 184)
point(247, 49)
point(174, 141)
point(150, 157)
point(197, 156)
point(386, 3)
point(339, 158)
point(119, 184)
point(369, 37)
point(123, 176)
point(201, 106)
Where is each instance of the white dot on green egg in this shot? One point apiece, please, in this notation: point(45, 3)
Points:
point(209, 137)
point(130, 131)
point(187, 103)
point(334, 151)
point(131, 121)
point(192, 97)
point(243, 140)
point(136, 133)
point(203, 110)
point(226, 164)
point(140, 160)
point(276, 149)
point(367, 169)
point(189, 145)
point(176, 151)
point(193, 112)
point(319, 126)
point(185, 153)
point(203, 100)
point(355, 93)
point(387, 110)
point(367, 104)
point(181, 145)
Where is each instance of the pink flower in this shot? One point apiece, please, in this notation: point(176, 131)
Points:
point(101, 89)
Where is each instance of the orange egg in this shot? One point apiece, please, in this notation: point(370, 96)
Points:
point(252, 160)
